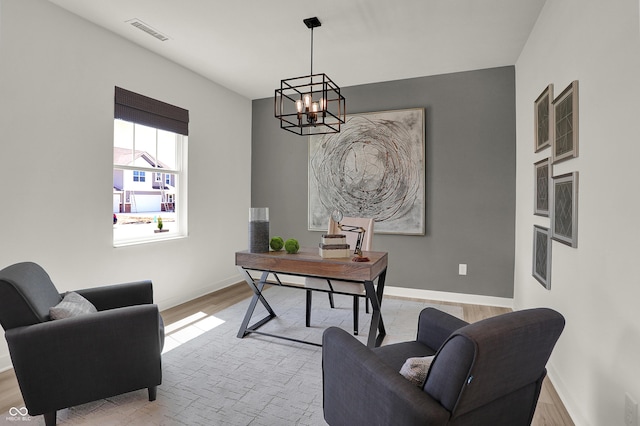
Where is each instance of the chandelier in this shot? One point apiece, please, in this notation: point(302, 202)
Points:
point(311, 104)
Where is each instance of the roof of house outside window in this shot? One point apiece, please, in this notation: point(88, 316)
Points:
point(122, 156)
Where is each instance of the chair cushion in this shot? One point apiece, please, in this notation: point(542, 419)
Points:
point(415, 369)
point(72, 305)
point(396, 354)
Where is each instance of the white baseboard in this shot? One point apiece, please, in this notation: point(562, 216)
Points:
point(564, 395)
point(443, 296)
point(198, 292)
point(5, 363)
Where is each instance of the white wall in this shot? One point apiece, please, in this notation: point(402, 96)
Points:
point(595, 285)
point(57, 78)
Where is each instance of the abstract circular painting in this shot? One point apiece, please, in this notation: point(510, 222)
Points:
point(373, 168)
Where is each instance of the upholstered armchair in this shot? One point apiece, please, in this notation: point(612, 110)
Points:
point(113, 349)
point(486, 373)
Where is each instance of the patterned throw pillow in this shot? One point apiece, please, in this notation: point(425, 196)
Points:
point(415, 369)
point(72, 305)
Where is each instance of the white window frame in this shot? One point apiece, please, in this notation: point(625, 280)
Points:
point(179, 228)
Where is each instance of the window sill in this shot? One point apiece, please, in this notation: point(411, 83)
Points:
point(158, 237)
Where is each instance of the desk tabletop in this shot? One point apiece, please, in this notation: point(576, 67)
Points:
point(308, 262)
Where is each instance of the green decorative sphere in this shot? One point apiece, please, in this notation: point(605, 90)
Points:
point(276, 243)
point(291, 246)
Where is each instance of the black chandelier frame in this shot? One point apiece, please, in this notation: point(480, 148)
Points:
point(310, 104)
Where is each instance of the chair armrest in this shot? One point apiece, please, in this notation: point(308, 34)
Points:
point(359, 388)
point(119, 295)
point(76, 360)
point(435, 326)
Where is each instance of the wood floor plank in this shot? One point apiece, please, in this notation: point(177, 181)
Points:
point(10, 395)
point(550, 410)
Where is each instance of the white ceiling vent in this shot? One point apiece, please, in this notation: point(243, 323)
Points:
point(147, 29)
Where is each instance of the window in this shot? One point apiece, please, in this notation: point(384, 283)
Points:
point(142, 144)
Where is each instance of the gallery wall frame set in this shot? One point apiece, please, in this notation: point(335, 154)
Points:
point(542, 255)
point(556, 122)
point(555, 126)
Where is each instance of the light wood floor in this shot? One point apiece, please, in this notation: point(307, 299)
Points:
point(550, 409)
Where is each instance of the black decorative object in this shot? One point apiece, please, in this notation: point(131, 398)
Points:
point(311, 104)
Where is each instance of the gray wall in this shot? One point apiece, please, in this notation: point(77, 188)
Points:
point(470, 188)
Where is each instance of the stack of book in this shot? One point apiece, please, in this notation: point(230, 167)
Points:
point(334, 245)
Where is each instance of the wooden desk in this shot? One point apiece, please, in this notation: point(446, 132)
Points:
point(308, 263)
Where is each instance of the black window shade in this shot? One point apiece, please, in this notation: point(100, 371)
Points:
point(131, 106)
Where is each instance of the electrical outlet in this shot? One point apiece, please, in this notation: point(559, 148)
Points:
point(462, 269)
point(630, 411)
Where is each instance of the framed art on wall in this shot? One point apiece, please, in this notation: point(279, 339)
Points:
point(542, 256)
point(542, 119)
point(565, 118)
point(564, 225)
point(542, 177)
point(373, 168)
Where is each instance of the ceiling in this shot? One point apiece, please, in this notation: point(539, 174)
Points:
point(248, 46)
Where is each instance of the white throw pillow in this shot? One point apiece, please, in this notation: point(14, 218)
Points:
point(416, 369)
point(72, 305)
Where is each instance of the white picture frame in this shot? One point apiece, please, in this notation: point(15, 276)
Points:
point(373, 168)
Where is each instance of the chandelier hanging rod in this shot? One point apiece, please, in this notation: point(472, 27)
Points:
point(312, 23)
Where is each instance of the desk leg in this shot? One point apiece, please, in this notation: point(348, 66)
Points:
point(376, 330)
point(257, 290)
point(308, 308)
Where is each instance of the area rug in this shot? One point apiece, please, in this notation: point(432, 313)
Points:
point(211, 377)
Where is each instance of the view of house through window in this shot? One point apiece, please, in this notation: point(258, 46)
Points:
point(147, 173)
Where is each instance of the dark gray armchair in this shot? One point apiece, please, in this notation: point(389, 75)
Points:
point(72, 361)
point(487, 373)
